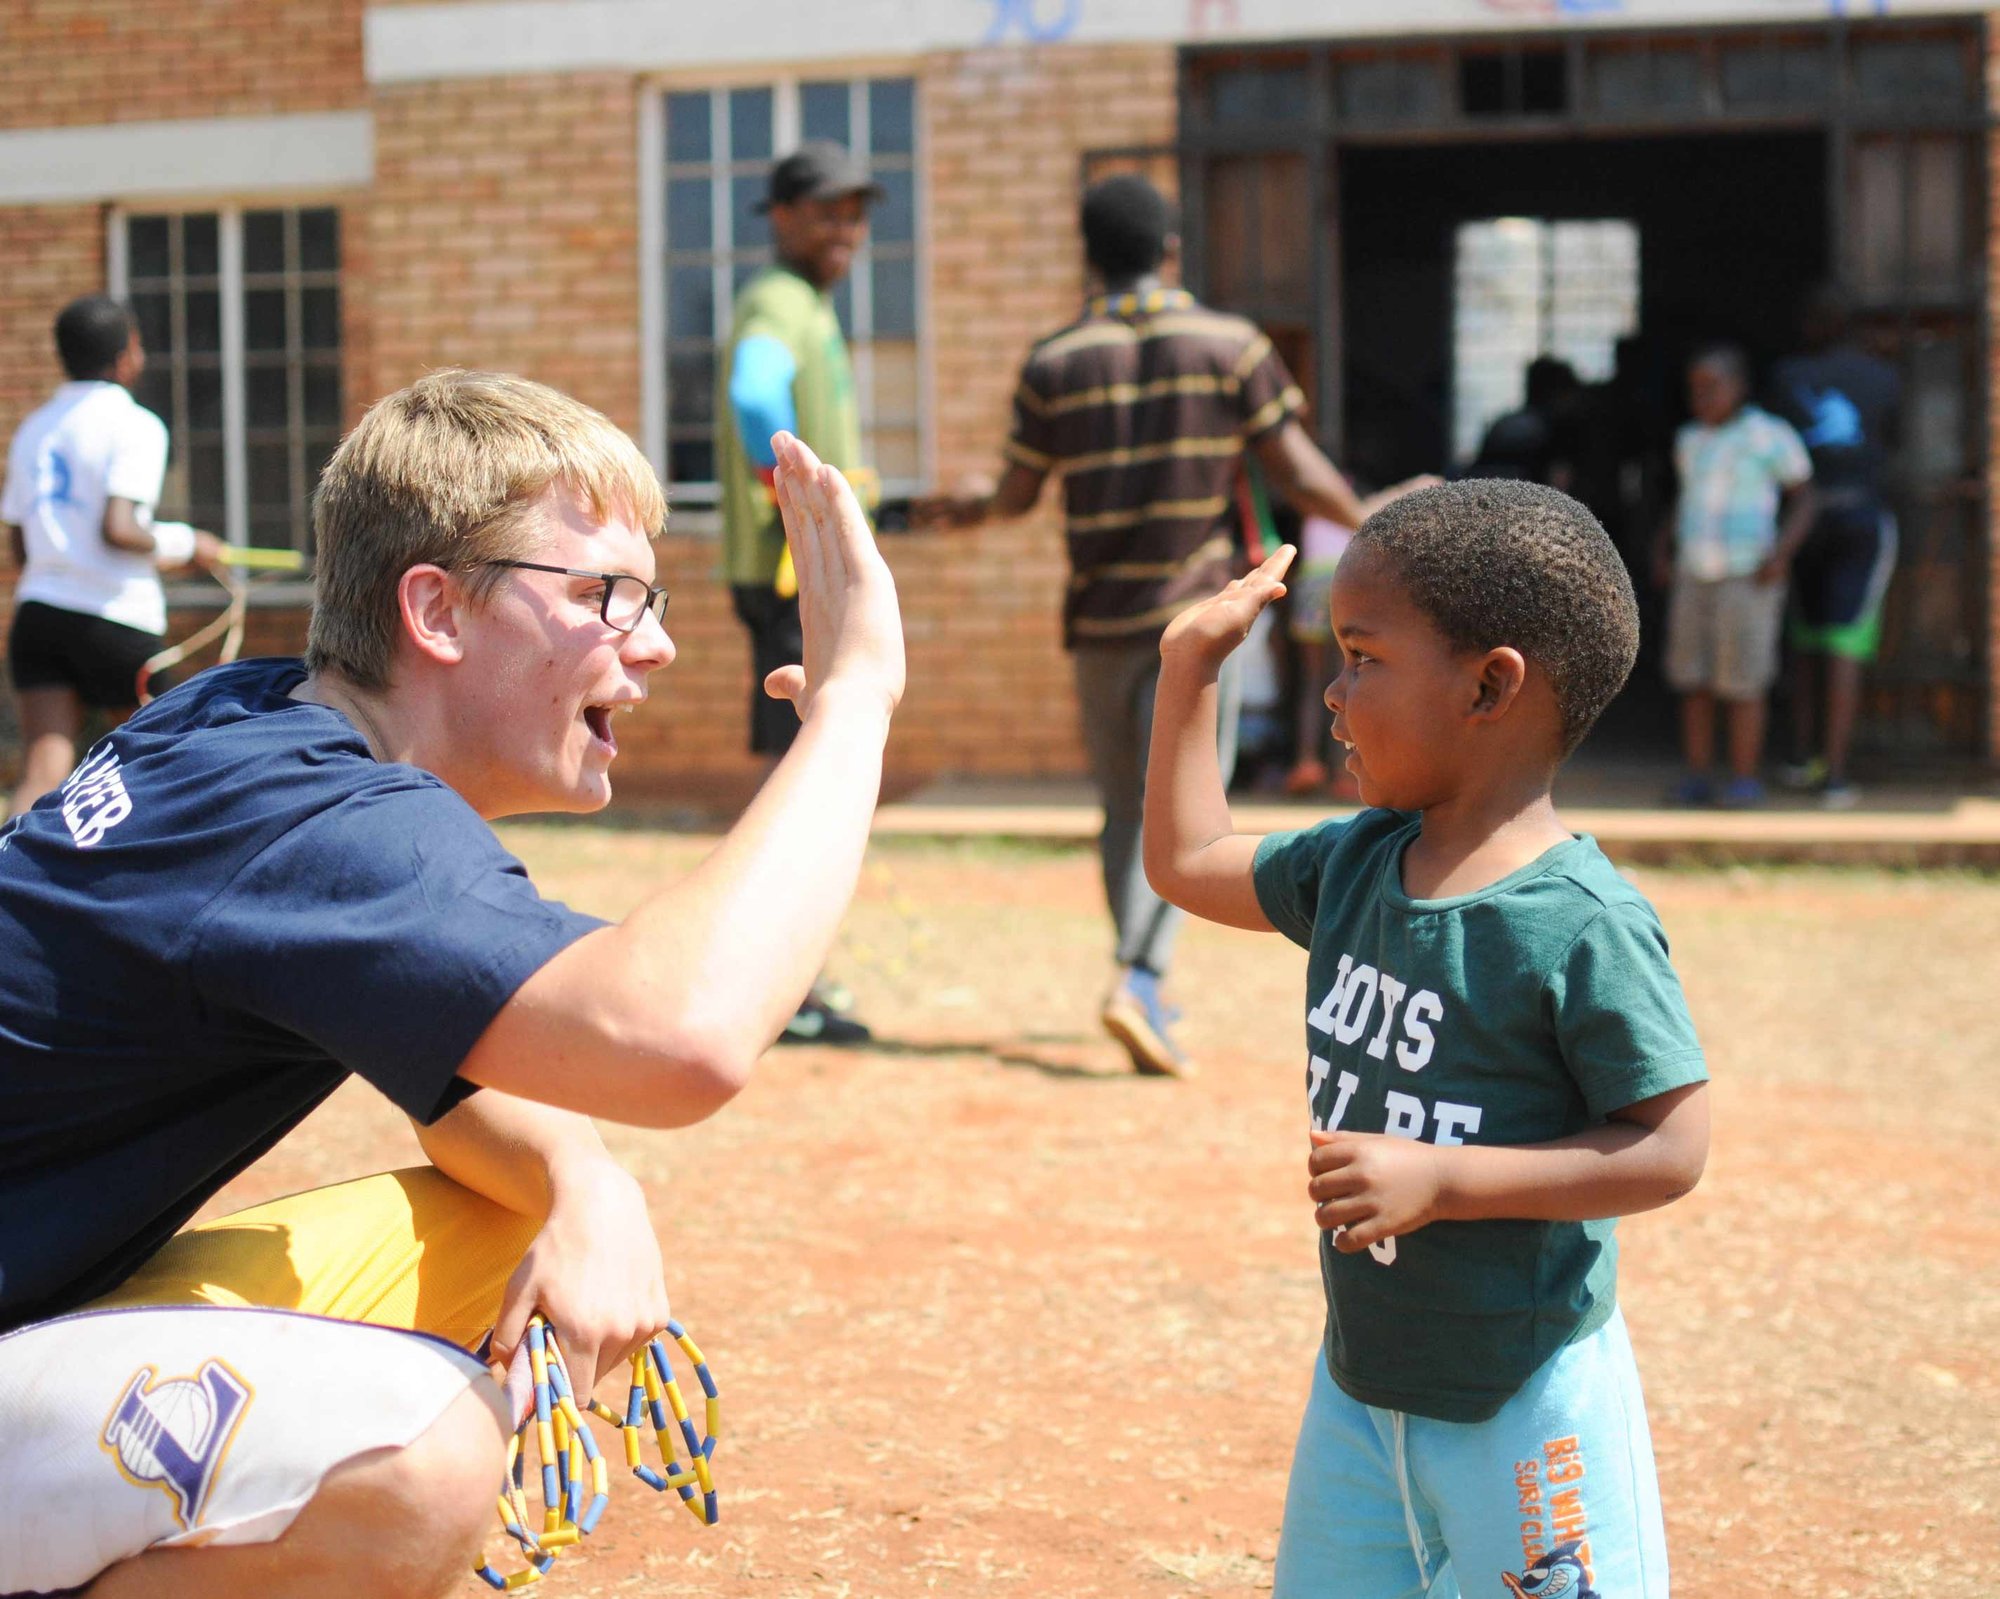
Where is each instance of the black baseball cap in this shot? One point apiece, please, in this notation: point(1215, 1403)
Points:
point(818, 170)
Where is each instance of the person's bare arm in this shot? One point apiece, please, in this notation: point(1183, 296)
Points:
point(980, 501)
point(1373, 1186)
point(1300, 472)
point(1194, 856)
point(594, 1265)
point(658, 1020)
point(1797, 512)
point(17, 544)
point(123, 531)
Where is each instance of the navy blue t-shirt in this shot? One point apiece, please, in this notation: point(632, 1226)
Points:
point(228, 907)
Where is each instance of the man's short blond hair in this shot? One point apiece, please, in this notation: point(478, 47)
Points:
point(448, 472)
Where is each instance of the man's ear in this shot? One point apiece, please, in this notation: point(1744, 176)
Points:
point(1501, 674)
point(431, 603)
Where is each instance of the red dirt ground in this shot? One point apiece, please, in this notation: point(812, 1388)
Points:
point(993, 1316)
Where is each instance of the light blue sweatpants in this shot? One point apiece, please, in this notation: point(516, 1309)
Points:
point(1553, 1498)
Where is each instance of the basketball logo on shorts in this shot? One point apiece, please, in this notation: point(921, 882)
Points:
point(172, 1435)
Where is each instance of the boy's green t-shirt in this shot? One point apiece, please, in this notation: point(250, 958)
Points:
point(779, 303)
point(1530, 1010)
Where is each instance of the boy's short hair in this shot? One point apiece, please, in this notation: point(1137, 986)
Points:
point(1125, 226)
point(1729, 358)
point(91, 333)
point(447, 472)
point(1493, 562)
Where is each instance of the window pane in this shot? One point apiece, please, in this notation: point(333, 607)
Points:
point(752, 228)
point(156, 328)
point(319, 319)
point(200, 252)
point(750, 125)
point(204, 397)
point(687, 127)
point(691, 461)
point(895, 298)
point(1937, 247)
point(263, 241)
point(146, 247)
point(896, 453)
point(690, 219)
point(1875, 228)
point(691, 385)
point(322, 396)
point(1913, 72)
point(266, 397)
point(896, 397)
point(823, 111)
point(319, 450)
point(205, 474)
point(892, 116)
point(271, 473)
point(1775, 75)
point(204, 320)
point(156, 391)
point(894, 219)
point(319, 239)
point(1260, 94)
point(263, 319)
point(690, 302)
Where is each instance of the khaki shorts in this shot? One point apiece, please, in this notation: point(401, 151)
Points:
point(1722, 636)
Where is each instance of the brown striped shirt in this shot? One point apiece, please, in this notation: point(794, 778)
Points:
point(1144, 405)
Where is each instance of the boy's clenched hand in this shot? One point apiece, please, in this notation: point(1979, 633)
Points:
point(1366, 1187)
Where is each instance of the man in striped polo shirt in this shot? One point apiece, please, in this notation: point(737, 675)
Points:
point(1145, 405)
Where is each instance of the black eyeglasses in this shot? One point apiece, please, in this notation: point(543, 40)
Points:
point(626, 598)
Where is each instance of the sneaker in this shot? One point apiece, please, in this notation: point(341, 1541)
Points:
point(1837, 794)
point(835, 996)
point(1802, 777)
point(1694, 789)
point(1741, 794)
point(817, 1022)
point(1139, 1019)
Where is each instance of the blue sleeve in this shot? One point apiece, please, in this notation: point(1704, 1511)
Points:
point(760, 393)
point(388, 931)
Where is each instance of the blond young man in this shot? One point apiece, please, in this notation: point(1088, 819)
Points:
point(282, 873)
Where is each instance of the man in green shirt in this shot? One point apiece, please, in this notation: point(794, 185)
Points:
point(786, 370)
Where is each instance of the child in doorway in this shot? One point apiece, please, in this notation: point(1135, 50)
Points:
point(1500, 1056)
point(1321, 544)
point(1746, 505)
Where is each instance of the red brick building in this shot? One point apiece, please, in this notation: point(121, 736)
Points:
point(312, 201)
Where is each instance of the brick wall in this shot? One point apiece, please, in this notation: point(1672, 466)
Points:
point(77, 62)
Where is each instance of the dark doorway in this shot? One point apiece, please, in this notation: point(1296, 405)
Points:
point(1733, 229)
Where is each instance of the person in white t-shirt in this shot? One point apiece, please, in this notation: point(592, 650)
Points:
point(83, 475)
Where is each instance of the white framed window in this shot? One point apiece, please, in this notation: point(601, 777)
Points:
point(710, 158)
point(239, 307)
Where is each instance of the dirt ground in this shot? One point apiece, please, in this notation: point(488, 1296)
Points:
point(992, 1316)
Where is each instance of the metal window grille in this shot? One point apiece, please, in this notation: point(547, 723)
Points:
point(240, 313)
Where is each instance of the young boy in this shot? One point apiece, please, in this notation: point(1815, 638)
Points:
point(1746, 505)
point(1500, 1056)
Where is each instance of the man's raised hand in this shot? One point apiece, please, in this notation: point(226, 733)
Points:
point(848, 614)
point(1204, 634)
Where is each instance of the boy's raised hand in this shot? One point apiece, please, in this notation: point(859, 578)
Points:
point(1203, 635)
point(848, 613)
